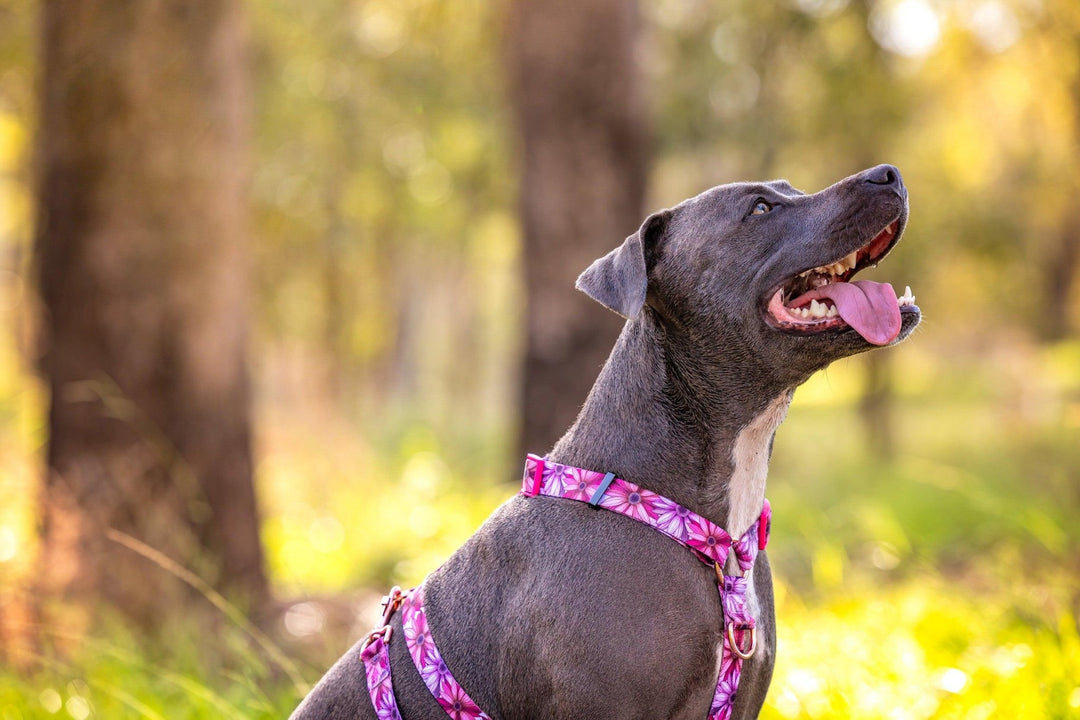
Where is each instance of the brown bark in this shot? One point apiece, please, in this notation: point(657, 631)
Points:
point(577, 98)
point(143, 260)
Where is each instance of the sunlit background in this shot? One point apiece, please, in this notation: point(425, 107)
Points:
point(926, 499)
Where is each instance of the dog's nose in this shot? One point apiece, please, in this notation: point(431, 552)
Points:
point(884, 175)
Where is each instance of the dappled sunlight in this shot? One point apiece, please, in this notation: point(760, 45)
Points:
point(907, 27)
point(367, 518)
point(926, 647)
point(994, 24)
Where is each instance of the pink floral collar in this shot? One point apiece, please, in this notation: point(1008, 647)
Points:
point(708, 541)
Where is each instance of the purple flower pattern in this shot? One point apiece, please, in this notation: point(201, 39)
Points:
point(673, 519)
point(708, 539)
point(581, 484)
point(429, 663)
point(724, 697)
point(746, 547)
point(562, 477)
point(630, 500)
point(376, 659)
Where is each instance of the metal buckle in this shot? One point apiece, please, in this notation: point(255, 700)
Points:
point(390, 603)
point(735, 646)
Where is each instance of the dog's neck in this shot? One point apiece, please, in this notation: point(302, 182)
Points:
point(680, 416)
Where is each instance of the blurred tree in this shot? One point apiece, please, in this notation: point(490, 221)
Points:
point(1061, 261)
point(577, 95)
point(386, 242)
point(143, 253)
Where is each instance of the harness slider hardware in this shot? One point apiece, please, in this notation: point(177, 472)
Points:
point(538, 477)
point(764, 525)
point(390, 603)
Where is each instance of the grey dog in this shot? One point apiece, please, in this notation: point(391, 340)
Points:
point(554, 609)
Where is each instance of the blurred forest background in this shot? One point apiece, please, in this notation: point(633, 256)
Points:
point(286, 287)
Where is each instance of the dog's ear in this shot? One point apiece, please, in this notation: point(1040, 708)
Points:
point(620, 279)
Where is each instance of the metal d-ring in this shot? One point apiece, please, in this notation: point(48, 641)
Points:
point(735, 646)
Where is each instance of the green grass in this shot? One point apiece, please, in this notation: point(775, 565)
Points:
point(187, 677)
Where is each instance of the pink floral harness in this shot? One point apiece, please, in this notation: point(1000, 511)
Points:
point(708, 541)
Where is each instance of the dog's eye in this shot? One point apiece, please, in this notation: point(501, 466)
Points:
point(760, 208)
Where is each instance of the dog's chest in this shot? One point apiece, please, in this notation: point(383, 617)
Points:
point(750, 463)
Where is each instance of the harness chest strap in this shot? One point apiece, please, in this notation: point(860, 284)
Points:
point(709, 542)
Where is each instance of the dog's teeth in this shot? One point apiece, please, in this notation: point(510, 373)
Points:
point(907, 298)
point(817, 309)
point(851, 260)
point(832, 312)
point(889, 230)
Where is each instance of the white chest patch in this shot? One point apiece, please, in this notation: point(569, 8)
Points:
point(750, 459)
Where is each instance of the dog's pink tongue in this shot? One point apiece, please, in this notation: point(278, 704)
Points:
point(868, 307)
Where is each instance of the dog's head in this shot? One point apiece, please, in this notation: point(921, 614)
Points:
point(765, 271)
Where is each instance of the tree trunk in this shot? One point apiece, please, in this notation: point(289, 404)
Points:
point(877, 405)
point(576, 91)
point(144, 273)
point(1059, 273)
point(1062, 259)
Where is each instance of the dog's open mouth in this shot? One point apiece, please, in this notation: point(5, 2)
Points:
point(824, 298)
